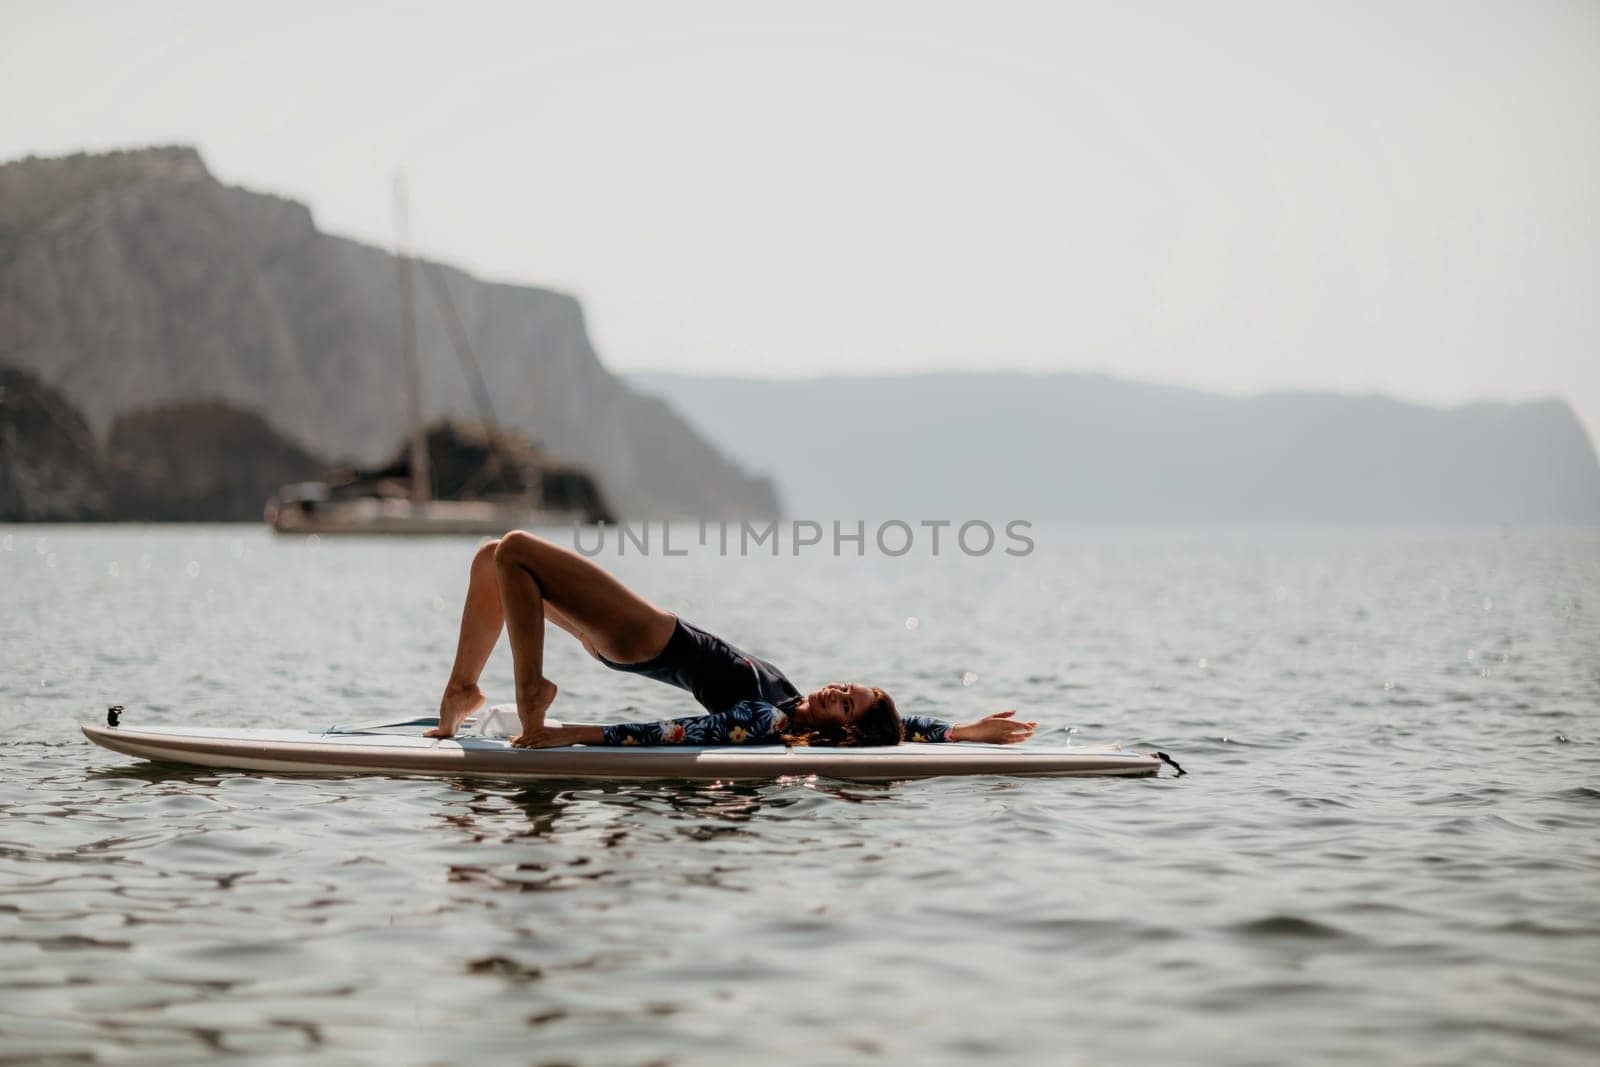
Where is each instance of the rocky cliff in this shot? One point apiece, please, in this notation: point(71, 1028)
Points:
point(50, 466)
point(189, 461)
point(134, 280)
point(199, 461)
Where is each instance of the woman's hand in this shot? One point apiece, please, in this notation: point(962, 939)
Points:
point(997, 729)
point(557, 736)
point(543, 737)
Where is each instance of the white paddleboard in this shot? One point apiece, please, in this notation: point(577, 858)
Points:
point(310, 752)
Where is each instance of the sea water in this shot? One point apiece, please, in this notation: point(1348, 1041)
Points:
point(1387, 848)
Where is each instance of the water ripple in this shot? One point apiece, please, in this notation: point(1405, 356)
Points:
point(1378, 849)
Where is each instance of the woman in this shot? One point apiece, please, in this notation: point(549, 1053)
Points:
point(521, 580)
point(747, 722)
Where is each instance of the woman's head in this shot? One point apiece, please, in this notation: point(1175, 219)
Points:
point(841, 714)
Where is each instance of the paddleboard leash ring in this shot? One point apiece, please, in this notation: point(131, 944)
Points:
point(113, 713)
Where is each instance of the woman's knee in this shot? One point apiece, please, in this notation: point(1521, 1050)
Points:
point(484, 557)
point(519, 548)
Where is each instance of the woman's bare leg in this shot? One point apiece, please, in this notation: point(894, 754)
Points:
point(481, 619)
point(620, 625)
point(523, 601)
point(610, 619)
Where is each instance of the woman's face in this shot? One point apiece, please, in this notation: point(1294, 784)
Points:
point(838, 704)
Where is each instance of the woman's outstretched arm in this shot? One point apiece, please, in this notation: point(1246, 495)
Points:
point(1000, 728)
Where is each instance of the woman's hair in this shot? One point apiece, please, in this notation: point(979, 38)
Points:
point(878, 725)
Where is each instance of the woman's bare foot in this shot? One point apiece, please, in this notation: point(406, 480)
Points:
point(458, 702)
point(532, 715)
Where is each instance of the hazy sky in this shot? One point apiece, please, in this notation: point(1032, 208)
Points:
point(1397, 197)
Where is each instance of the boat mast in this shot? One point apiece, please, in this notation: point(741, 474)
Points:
point(421, 480)
point(458, 339)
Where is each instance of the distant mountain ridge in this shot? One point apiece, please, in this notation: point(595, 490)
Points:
point(130, 281)
point(1088, 447)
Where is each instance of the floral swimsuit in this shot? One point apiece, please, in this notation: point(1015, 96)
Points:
point(748, 699)
point(749, 722)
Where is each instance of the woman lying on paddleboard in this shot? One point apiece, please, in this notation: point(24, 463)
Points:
point(521, 580)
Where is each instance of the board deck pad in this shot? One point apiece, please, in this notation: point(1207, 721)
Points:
point(313, 752)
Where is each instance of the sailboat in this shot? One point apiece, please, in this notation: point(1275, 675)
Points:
point(518, 488)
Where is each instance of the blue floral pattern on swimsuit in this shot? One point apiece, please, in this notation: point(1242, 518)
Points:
point(924, 728)
point(749, 722)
